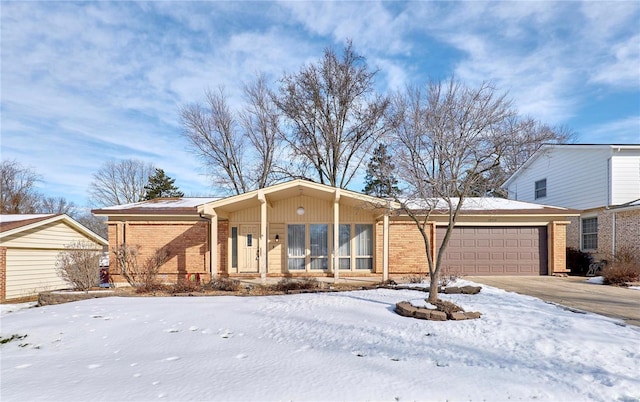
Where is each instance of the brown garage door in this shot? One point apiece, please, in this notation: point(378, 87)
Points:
point(495, 250)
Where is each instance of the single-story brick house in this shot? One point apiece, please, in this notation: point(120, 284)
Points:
point(29, 247)
point(292, 228)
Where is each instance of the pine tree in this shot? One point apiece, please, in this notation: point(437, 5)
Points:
point(380, 180)
point(161, 185)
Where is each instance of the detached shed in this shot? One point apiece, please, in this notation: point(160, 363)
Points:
point(29, 247)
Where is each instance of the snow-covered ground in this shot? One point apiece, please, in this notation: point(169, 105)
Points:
point(332, 346)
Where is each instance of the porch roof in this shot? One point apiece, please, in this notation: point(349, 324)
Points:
point(296, 188)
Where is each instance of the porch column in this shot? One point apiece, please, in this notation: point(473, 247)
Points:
point(213, 246)
point(262, 252)
point(385, 248)
point(336, 236)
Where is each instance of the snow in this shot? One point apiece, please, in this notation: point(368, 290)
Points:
point(597, 280)
point(22, 217)
point(326, 346)
point(186, 202)
point(484, 204)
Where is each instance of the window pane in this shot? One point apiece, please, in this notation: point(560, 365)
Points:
point(234, 247)
point(319, 263)
point(345, 241)
point(249, 239)
point(364, 240)
point(364, 263)
point(590, 233)
point(295, 247)
point(541, 188)
point(318, 238)
point(345, 263)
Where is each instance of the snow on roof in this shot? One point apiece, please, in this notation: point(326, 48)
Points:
point(22, 217)
point(163, 203)
point(483, 204)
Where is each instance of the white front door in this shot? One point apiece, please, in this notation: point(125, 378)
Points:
point(248, 249)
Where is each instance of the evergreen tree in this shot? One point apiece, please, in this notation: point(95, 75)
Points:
point(380, 180)
point(161, 185)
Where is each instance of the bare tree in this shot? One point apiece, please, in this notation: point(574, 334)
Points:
point(79, 264)
point(120, 182)
point(96, 224)
point(18, 194)
point(448, 139)
point(57, 205)
point(334, 115)
point(238, 148)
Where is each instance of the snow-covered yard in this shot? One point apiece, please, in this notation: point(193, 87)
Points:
point(331, 346)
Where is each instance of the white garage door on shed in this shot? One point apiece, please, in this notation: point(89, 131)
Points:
point(474, 250)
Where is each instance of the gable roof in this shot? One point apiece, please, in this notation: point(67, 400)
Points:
point(295, 188)
point(544, 148)
point(15, 223)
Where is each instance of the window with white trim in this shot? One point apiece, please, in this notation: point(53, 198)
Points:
point(590, 233)
point(364, 246)
point(296, 251)
point(319, 246)
point(541, 189)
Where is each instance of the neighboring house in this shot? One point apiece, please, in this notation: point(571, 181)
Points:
point(291, 229)
point(602, 181)
point(29, 247)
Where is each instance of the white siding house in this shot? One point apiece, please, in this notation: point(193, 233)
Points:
point(29, 247)
point(597, 180)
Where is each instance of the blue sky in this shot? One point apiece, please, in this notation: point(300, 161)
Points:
point(86, 82)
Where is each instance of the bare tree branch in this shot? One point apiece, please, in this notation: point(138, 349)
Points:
point(119, 182)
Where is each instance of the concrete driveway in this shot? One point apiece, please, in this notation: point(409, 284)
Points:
point(575, 292)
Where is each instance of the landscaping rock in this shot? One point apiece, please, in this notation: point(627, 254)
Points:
point(405, 309)
point(423, 313)
point(459, 315)
point(472, 314)
point(438, 315)
point(470, 290)
point(452, 290)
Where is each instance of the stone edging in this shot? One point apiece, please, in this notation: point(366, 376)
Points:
point(406, 309)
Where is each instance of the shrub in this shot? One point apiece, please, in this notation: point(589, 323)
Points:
point(223, 284)
point(624, 268)
point(619, 273)
point(578, 261)
point(79, 265)
point(185, 286)
point(142, 277)
point(287, 284)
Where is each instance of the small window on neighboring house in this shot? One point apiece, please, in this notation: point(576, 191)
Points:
point(590, 233)
point(541, 188)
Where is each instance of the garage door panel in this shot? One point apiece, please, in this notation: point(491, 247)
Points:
point(496, 250)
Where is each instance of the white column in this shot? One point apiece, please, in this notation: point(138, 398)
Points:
point(213, 246)
point(263, 237)
point(336, 236)
point(385, 248)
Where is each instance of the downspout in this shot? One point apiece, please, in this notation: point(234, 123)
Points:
point(613, 235)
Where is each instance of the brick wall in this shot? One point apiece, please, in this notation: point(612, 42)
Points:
point(185, 242)
point(223, 238)
point(627, 229)
point(573, 232)
point(557, 237)
point(3, 274)
point(406, 249)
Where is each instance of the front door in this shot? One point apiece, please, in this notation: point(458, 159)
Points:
point(248, 249)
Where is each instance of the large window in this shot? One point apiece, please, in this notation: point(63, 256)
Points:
point(296, 252)
point(541, 188)
point(318, 235)
point(364, 246)
point(590, 233)
point(344, 252)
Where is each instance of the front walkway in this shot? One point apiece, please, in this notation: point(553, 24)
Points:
point(575, 292)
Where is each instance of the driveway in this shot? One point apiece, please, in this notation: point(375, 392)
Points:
point(575, 292)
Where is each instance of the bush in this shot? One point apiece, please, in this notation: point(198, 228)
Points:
point(624, 268)
point(223, 284)
point(287, 284)
point(619, 273)
point(142, 277)
point(185, 286)
point(578, 261)
point(79, 265)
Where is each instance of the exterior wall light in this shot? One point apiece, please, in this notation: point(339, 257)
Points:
point(277, 238)
point(300, 211)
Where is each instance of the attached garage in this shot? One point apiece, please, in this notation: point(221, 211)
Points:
point(476, 250)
